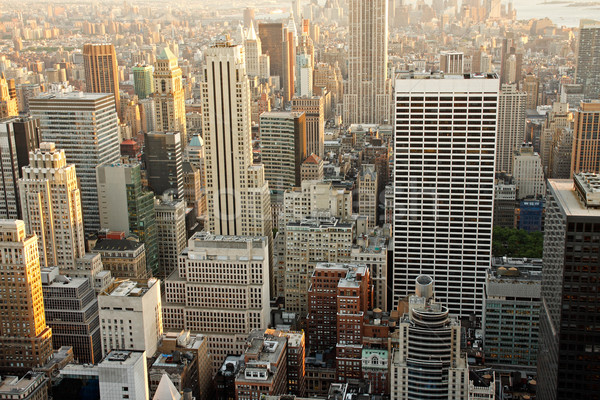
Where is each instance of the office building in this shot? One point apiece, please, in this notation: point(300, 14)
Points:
point(569, 316)
point(164, 162)
point(72, 313)
point(368, 196)
point(587, 71)
point(26, 91)
point(25, 339)
point(123, 375)
point(511, 315)
point(528, 173)
point(314, 110)
point(311, 169)
point(278, 42)
point(443, 185)
point(264, 371)
point(170, 232)
point(428, 361)
point(372, 251)
point(124, 258)
point(169, 95)
point(221, 289)
point(368, 94)
point(89, 137)
point(51, 205)
point(237, 193)
point(557, 119)
point(9, 106)
point(307, 242)
point(32, 386)
point(586, 137)
point(571, 94)
point(257, 63)
point(511, 126)
point(131, 315)
point(531, 86)
point(304, 66)
point(143, 81)
point(283, 148)
point(102, 71)
point(452, 62)
point(126, 207)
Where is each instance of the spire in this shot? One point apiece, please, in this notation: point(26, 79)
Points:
point(251, 32)
point(166, 54)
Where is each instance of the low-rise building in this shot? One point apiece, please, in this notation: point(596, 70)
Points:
point(124, 258)
point(32, 386)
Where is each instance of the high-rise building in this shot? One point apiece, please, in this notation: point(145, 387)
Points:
point(169, 95)
point(586, 137)
point(283, 148)
point(451, 62)
point(427, 362)
point(314, 109)
point(9, 106)
point(311, 169)
point(305, 54)
point(171, 233)
point(257, 63)
point(25, 92)
point(102, 71)
point(72, 312)
point(569, 316)
point(221, 289)
point(557, 119)
point(248, 16)
point(9, 165)
point(443, 185)
point(24, 133)
point(85, 126)
point(143, 80)
point(131, 315)
point(126, 207)
point(511, 313)
point(237, 193)
point(587, 71)
point(164, 162)
point(124, 375)
point(51, 205)
point(278, 43)
point(25, 339)
point(32, 386)
point(368, 96)
point(372, 251)
point(531, 86)
point(511, 126)
point(308, 242)
point(560, 157)
point(368, 199)
point(528, 173)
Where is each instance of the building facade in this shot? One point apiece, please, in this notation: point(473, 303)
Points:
point(102, 71)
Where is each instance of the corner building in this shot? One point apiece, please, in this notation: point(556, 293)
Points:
point(445, 138)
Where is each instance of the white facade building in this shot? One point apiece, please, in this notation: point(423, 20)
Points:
point(367, 193)
point(511, 126)
point(444, 184)
point(528, 173)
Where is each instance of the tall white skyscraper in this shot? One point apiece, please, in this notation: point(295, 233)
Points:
point(86, 127)
point(368, 95)
point(51, 205)
point(511, 126)
point(238, 201)
point(445, 135)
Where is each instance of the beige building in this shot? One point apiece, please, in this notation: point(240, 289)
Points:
point(102, 71)
point(169, 95)
point(9, 106)
point(131, 316)
point(511, 126)
point(586, 138)
point(307, 242)
point(257, 64)
point(171, 233)
point(123, 258)
point(367, 193)
point(32, 386)
point(368, 96)
point(373, 251)
point(451, 62)
point(25, 340)
point(528, 173)
point(312, 169)
point(51, 205)
point(221, 289)
point(314, 109)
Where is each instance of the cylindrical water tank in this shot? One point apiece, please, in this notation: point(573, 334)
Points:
point(424, 287)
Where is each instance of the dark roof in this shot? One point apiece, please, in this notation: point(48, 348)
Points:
point(117, 245)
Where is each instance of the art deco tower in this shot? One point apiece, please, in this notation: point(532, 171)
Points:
point(101, 71)
point(169, 95)
point(368, 95)
point(25, 340)
point(238, 200)
point(51, 205)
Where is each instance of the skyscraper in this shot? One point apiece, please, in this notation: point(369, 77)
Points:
point(25, 340)
point(314, 109)
point(511, 126)
point(51, 205)
point(443, 185)
point(238, 201)
point(451, 62)
point(569, 314)
point(171, 233)
point(101, 71)
point(9, 167)
point(169, 95)
point(126, 207)
point(278, 43)
point(257, 63)
point(85, 126)
point(304, 66)
point(368, 199)
point(143, 81)
point(8, 105)
point(164, 162)
point(283, 148)
point(368, 97)
point(586, 138)
point(587, 71)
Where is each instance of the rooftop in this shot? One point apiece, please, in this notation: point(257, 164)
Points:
point(130, 288)
point(568, 198)
point(13, 386)
point(117, 245)
point(73, 96)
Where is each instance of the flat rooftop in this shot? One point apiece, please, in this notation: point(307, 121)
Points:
point(571, 203)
